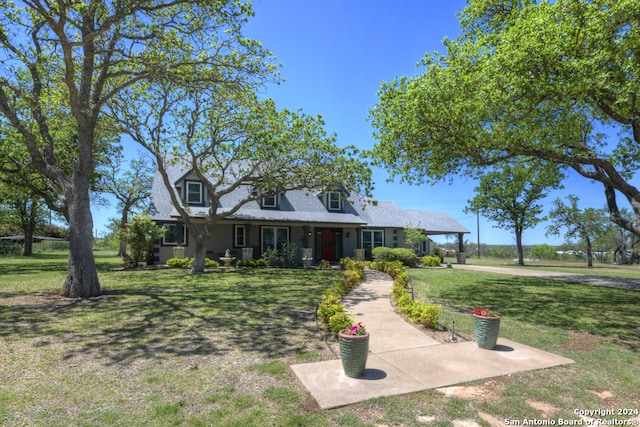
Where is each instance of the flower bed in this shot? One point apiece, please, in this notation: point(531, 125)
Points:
point(418, 312)
point(330, 309)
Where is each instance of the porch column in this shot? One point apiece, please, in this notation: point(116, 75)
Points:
point(305, 236)
point(247, 237)
point(462, 256)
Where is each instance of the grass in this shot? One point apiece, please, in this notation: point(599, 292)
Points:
point(598, 310)
point(164, 347)
point(597, 326)
point(156, 347)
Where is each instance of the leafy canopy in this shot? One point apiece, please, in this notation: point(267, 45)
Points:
point(525, 78)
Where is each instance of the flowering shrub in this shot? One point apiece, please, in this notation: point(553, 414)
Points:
point(356, 329)
point(483, 313)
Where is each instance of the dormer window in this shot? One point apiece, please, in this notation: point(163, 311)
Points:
point(194, 192)
point(334, 201)
point(270, 202)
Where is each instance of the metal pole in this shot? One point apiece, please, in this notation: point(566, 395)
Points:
point(478, 226)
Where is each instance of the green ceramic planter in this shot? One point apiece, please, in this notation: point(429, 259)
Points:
point(354, 350)
point(486, 330)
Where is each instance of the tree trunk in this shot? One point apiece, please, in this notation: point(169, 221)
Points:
point(123, 221)
point(122, 251)
point(28, 242)
point(28, 225)
point(82, 275)
point(589, 253)
point(199, 255)
point(519, 245)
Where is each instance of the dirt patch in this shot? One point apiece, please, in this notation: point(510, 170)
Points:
point(39, 299)
point(602, 393)
point(546, 410)
point(580, 342)
point(489, 391)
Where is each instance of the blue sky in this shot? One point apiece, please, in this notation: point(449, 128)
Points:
point(336, 53)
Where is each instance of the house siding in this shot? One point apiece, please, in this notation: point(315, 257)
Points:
point(223, 238)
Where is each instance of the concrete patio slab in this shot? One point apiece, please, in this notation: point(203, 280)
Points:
point(410, 370)
point(331, 388)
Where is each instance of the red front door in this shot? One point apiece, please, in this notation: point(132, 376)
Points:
point(329, 245)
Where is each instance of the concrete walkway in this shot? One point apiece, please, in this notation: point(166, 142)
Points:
point(403, 359)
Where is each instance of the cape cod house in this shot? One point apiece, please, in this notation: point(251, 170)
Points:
point(323, 222)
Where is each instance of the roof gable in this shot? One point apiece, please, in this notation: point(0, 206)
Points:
point(305, 206)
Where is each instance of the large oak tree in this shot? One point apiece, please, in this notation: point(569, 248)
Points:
point(587, 224)
point(510, 196)
point(236, 144)
point(62, 62)
point(541, 79)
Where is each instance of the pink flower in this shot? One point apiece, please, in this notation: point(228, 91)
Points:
point(484, 313)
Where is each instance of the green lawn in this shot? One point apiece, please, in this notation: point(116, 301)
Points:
point(160, 347)
point(597, 326)
point(165, 347)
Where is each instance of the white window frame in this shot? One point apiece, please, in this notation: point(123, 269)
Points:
point(174, 225)
point(269, 205)
point(237, 236)
point(332, 198)
point(372, 239)
point(189, 193)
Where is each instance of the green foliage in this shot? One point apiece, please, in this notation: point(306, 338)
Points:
point(352, 278)
point(522, 81)
point(414, 235)
point(74, 92)
point(211, 263)
point(543, 251)
point(431, 261)
point(9, 248)
point(179, 262)
point(510, 196)
point(351, 264)
point(381, 253)
point(283, 257)
point(405, 302)
point(392, 268)
point(404, 255)
point(188, 263)
point(289, 253)
point(587, 224)
point(339, 322)
point(398, 290)
point(329, 305)
point(330, 310)
point(140, 235)
point(426, 314)
point(252, 263)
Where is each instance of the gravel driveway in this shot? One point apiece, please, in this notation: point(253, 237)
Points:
point(568, 277)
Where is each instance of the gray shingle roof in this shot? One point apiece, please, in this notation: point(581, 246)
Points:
point(306, 206)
